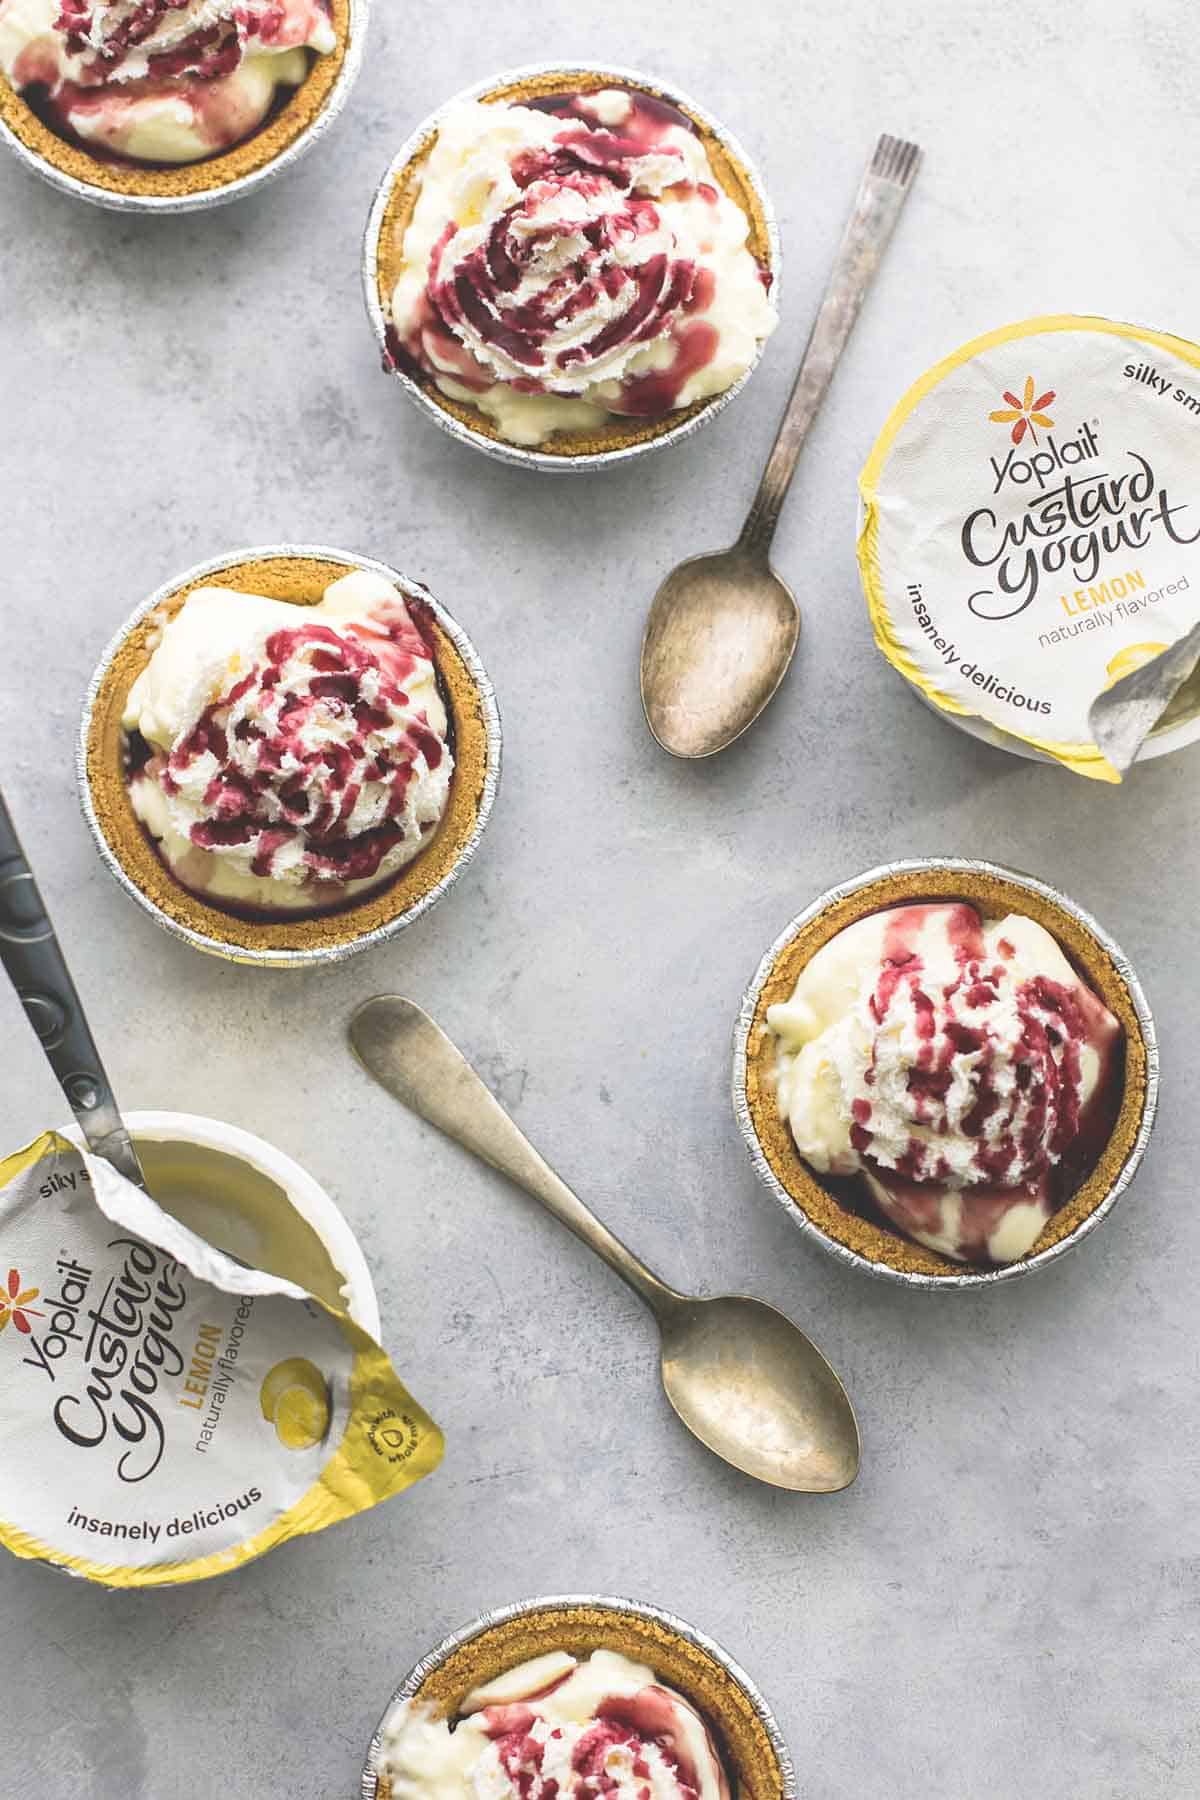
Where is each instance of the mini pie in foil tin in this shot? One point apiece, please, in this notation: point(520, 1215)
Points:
point(856, 1240)
point(746, 1732)
point(567, 451)
point(130, 187)
point(298, 573)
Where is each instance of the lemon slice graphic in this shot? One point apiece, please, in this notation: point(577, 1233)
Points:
point(295, 1398)
point(1133, 656)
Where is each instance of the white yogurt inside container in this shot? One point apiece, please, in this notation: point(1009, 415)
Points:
point(244, 1197)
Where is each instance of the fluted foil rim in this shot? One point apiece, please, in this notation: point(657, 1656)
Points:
point(204, 199)
point(433, 1660)
point(515, 454)
point(969, 1279)
point(317, 955)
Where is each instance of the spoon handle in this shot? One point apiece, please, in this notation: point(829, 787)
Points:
point(881, 195)
point(415, 1061)
point(35, 964)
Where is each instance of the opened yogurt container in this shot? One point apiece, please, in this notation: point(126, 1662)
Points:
point(244, 1197)
point(191, 1372)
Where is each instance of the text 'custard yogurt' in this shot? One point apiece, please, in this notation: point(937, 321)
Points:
point(167, 1414)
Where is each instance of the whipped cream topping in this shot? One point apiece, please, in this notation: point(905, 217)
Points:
point(558, 1729)
point(289, 758)
point(574, 260)
point(950, 1060)
point(164, 81)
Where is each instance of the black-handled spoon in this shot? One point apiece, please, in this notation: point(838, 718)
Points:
point(38, 970)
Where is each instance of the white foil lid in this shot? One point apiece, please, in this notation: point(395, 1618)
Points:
point(1031, 529)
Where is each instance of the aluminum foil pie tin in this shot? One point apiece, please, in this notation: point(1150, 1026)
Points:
point(969, 1278)
point(507, 1621)
point(497, 448)
point(314, 955)
point(205, 198)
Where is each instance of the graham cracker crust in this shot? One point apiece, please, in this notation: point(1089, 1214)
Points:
point(994, 897)
point(733, 177)
point(741, 1737)
point(294, 117)
point(302, 582)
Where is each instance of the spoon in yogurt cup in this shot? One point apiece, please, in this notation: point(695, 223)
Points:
point(37, 968)
point(723, 627)
point(743, 1378)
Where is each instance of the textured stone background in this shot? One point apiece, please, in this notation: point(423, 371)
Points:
point(1005, 1607)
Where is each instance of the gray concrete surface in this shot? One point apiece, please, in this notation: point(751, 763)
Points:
point(1005, 1607)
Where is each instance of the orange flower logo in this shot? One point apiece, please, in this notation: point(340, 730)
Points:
point(1025, 413)
point(14, 1304)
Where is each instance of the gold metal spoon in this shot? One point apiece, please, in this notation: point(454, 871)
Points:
point(723, 627)
point(740, 1375)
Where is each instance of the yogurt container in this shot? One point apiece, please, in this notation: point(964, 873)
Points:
point(186, 1385)
point(1030, 533)
point(244, 1197)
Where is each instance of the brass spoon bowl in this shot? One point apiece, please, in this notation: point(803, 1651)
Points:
point(741, 1376)
point(721, 633)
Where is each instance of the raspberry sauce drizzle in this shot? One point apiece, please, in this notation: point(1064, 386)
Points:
point(640, 1725)
point(289, 747)
point(91, 101)
point(554, 256)
point(1033, 1143)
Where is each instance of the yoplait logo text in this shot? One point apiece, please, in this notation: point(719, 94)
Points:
point(125, 1343)
point(1026, 415)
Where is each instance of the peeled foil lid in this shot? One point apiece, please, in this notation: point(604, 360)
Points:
point(165, 1413)
point(1030, 545)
